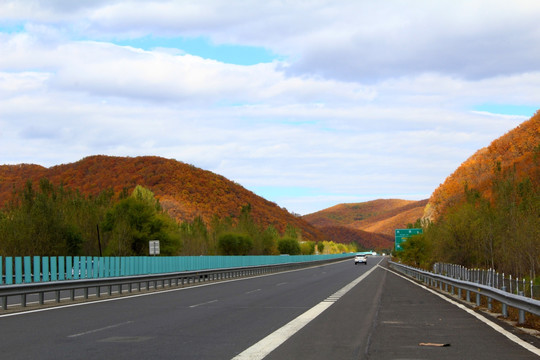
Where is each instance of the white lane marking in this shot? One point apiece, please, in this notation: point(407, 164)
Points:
point(253, 291)
point(100, 329)
point(204, 303)
point(158, 292)
point(486, 321)
point(281, 283)
point(278, 337)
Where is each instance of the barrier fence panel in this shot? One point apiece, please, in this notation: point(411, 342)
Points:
point(54, 269)
point(35, 269)
point(27, 269)
point(9, 270)
point(18, 270)
point(45, 269)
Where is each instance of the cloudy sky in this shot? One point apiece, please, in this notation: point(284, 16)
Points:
point(306, 103)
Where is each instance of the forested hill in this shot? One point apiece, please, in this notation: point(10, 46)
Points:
point(377, 216)
point(516, 152)
point(366, 240)
point(370, 224)
point(183, 190)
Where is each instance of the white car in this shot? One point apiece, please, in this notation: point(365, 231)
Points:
point(360, 258)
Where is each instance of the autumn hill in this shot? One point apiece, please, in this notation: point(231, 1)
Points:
point(183, 190)
point(371, 223)
point(186, 192)
point(517, 151)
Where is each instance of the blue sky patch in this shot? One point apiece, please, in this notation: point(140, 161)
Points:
point(11, 29)
point(230, 54)
point(521, 110)
point(273, 192)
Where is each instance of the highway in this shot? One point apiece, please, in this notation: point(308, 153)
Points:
point(338, 311)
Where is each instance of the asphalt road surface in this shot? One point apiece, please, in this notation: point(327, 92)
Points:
point(338, 311)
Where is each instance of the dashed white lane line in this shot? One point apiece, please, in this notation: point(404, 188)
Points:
point(253, 291)
point(100, 329)
point(278, 337)
point(491, 324)
point(204, 303)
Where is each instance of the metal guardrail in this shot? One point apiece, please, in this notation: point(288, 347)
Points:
point(140, 282)
point(448, 284)
point(489, 277)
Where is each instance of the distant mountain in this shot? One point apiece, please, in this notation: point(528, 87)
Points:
point(183, 190)
point(368, 240)
point(372, 223)
point(518, 151)
point(379, 216)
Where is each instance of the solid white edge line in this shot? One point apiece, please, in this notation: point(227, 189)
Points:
point(483, 319)
point(268, 344)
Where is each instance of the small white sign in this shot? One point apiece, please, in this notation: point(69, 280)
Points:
point(154, 247)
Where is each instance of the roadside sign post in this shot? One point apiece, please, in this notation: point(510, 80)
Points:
point(154, 247)
point(402, 235)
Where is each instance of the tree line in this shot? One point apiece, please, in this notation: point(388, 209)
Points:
point(57, 221)
point(499, 229)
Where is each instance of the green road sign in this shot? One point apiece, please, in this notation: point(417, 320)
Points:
point(403, 234)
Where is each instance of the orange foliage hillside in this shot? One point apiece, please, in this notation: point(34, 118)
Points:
point(378, 216)
point(367, 240)
point(183, 190)
point(370, 224)
point(516, 151)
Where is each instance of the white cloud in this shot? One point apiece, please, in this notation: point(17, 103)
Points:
point(372, 100)
point(361, 41)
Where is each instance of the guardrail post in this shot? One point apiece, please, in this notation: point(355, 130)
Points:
point(504, 306)
point(478, 298)
point(468, 295)
point(521, 314)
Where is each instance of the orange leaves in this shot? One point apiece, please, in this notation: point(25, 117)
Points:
point(189, 191)
point(514, 151)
